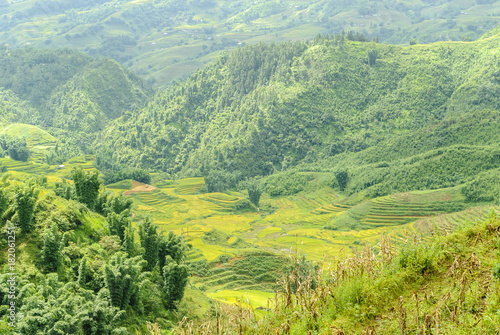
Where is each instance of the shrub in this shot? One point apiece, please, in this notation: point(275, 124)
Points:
point(417, 259)
point(287, 183)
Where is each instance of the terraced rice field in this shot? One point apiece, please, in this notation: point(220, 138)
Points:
point(219, 235)
point(29, 167)
point(446, 223)
point(240, 253)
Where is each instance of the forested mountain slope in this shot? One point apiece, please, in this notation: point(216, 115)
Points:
point(168, 39)
point(66, 91)
point(327, 104)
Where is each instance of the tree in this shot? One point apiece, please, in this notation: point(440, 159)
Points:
point(51, 249)
point(18, 151)
point(87, 186)
point(4, 202)
point(128, 240)
point(118, 204)
point(82, 272)
point(117, 224)
point(220, 180)
point(24, 200)
point(372, 57)
point(176, 278)
point(342, 178)
point(254, 193)
point(100, 205)
point(100, 318)
point(15, 147)
point(149, 241)
point(172, 246)
point(65, 190)
point(122, 276)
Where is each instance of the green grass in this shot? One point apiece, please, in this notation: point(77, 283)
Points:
point(33, 135)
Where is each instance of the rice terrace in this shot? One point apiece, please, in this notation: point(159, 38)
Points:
point(237, 251)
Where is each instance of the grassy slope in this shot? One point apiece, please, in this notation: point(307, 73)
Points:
point(37, 140)
point(442, 284)
point(215, 228)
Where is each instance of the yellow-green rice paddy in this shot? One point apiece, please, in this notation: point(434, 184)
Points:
point(223, 238)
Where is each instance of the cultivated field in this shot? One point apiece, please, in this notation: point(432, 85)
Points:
point(238, 253)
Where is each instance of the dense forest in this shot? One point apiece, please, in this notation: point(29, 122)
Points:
point(393, 118)
point(83, 270)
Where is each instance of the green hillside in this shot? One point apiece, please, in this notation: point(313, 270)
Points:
point(447, 284)
point(38, 141)
point(14, 109)
point(394, 119)
point(331, 185)
point(167, 40)
point(67, 93)
point(234, 252)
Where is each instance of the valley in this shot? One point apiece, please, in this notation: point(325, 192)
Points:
point(252, 167)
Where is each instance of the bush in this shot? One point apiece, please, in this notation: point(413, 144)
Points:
point(139, 175)
point(220, 180)
point(287, 183)
point(486, 187)
point(417, 259)
point(243, 204)
point(16, 148)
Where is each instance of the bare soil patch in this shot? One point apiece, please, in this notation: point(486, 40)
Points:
point(138, 187)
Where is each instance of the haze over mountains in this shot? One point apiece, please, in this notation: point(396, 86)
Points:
point(166, 40)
